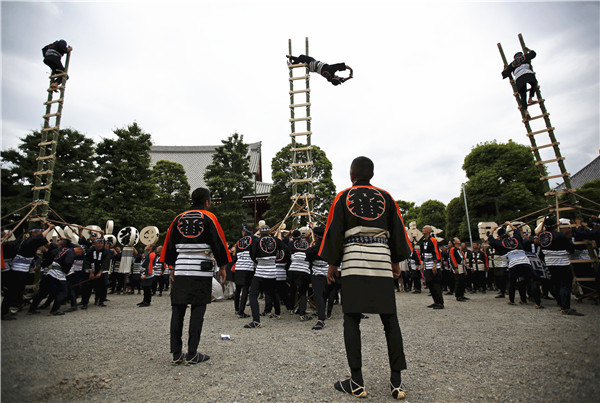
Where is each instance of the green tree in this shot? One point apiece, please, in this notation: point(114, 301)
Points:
point(74, 174)
point(504, 182)
point(172, 192)
point(281, 192)
point(124, 191)
point(229, 179)
point(455, 214)
point(432, 212)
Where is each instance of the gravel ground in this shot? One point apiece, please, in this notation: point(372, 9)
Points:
point(481, 350)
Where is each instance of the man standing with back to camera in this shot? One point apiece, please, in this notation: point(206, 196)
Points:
point(193, 237)
point(366, 233)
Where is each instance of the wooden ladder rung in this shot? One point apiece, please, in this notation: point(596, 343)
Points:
point(307, 90)
point(543, 178)
point(302, 180)
point(51, 115)
point(47, 157)
point(299, 78)
point(58, 75)
point(293, 66)
point(59, 100)
point(536, 117)
point(548, 161)
point(300, 105)
point(547, 129)
point(302, 213)
point(545, 145)
point(302, 164)
point(580, 242)
point(551, 193)
point(533, 103)
point(300, 119)
point(50, 129)
point(45, 187)
point(583, 278)
point(46, 143)
point(294, 197)
point(300, 134)
point(40, 173)
point(307, 148)
point(563, 209)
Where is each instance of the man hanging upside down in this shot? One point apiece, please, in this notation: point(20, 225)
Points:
point(326, 70)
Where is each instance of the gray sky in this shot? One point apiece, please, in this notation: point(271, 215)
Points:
point(426, 88)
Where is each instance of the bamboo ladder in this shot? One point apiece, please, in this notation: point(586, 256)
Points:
point(302, 172)
point(48, 145)
point(558, 158)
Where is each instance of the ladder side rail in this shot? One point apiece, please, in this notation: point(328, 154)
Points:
point(293, 122)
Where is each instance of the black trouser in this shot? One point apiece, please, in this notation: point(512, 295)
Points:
point(479, 277)
point(393, 336)
point(267, 285)
point(522, 87)
point(333, 294)
point(101, 287)
point(162, 285)
point(521, 278)
point(147, 293)
point(448, 280)
point(406, 280)
point(319, 284)
point(72, 288)
point(281, 289)
point(300, 282)
point(500, 278)
point(135, 282)
point(459, 285)
point(196, 321)
point(56, 65)
point(120, 282)
point(86, 288)
point(242, 279)
point(416, 278)
point(53, 289)
point(434, 283)
point(562, 283)
point(15, 288)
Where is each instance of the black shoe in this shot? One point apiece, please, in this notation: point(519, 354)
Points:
point(144, 304)
point(56, 313)
point(160, 294)
point(350, 387)
point(243, 315)
point(461, 300)
point(416, 292)
point(328, 315)
point(467, 298)
point(438, 306)
point(71, 309)
point(449, 293)
point(193, 359)
point(102, 304)
point(319, 325)
point(178, 359)
point(499, 296)
point(140, 303)
point(571, 312)
point(432, 305)
point(84, 307)
point(253, 325)
point(106, 300)
point(264, 314)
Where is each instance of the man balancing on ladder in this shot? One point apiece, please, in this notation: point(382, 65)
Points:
point(326, 70)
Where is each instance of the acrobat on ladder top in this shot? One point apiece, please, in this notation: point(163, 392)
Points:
point(326, 70)
point(52, 54)
point(520, 67)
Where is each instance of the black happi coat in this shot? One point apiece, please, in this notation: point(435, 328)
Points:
point(359, 218)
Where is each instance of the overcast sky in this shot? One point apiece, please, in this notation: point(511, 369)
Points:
point(426, 88)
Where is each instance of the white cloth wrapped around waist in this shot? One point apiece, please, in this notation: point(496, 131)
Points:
point(190, 258)
point(266, 267)
point(21, 263)
point(280, 273)
point(244, 262)
point(56, 272)
point(556, 258)
point(516, 257)
point(320, 267)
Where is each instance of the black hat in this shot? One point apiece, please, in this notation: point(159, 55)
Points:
point(296, 234)
point(501, 232)
point(319, 231)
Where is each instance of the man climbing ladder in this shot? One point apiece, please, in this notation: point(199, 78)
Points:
point(326, 70)
point(521, 68)
point(52, 54)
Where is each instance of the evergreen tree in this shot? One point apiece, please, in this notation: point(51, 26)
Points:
point(432, 212)
point(124, 191)
point(74, 174)
point(172, 192)
point(229, 179)
point(281, 192)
